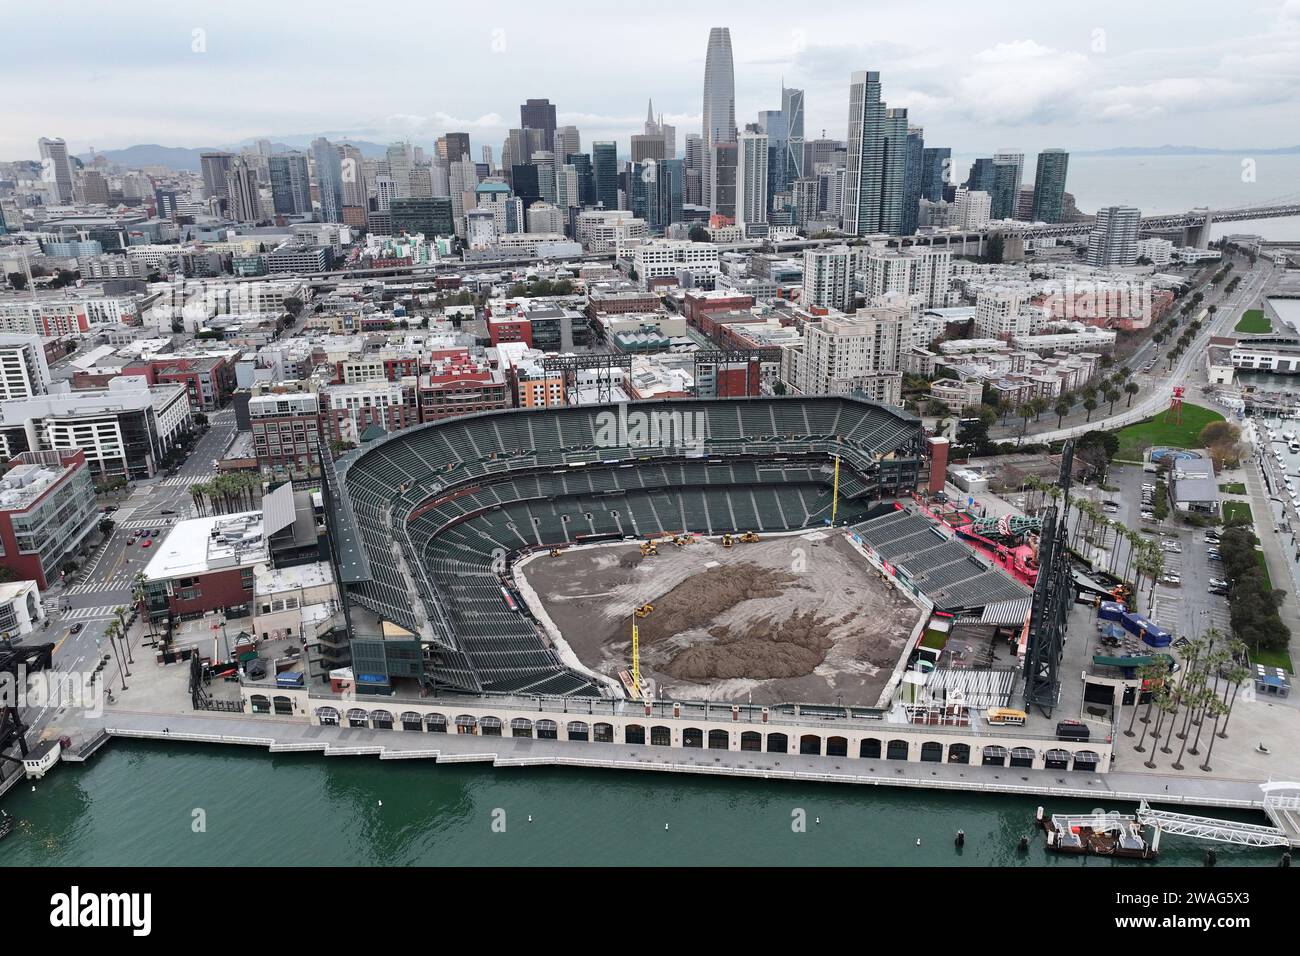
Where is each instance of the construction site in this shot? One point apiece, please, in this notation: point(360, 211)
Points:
point(731, 618)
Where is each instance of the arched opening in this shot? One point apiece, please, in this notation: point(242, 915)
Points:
point(994, 756)
point(1022, 757)
point(579, 730)
point(603, 733)
point(412, 721)
point(897, 750)
point(692, 737)
point(328, 716)
point(837, 746)
point(435, 723)
point(661, 736)
point(778, 744)
point(959, 753)
point(719, 740)
point(547, 730)
point(358, 718)
point(521, 727)
point(751, 740)
point(490, 726)
point(634, 734)
point(1056, 760)
point(260, 703)
point(1086, 760)
point(869, 748)
point(932, 752)
point(810, 744)
point(466, 724)
point(381, 720)
point(282, 705)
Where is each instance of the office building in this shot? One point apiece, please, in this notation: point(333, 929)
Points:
point(329, 179)
point(539, 115)
point(719, 110)
point(1049, 185)
point(752, 179)
point(1113, 241)
point(877, 151)
point(56, 168)
point(290, 184)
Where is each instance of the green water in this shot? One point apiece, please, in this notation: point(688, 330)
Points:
point(133, 804)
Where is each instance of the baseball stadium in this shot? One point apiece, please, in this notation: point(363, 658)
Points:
point(429, 526)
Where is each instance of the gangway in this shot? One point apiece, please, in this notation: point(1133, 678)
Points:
point(1216, 830)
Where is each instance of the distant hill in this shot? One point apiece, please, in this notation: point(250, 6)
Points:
point(1184, 151)
point(186, 159)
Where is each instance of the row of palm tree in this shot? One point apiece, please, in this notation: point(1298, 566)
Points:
point(1143, 557)
point(227, 493)
point(1212, 669)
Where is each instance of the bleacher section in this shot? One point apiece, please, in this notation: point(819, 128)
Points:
point(424, 521)
point(945, 569)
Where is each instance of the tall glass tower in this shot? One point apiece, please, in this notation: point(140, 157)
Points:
point(873, 190)
point(719, 104)
point(1049, 185)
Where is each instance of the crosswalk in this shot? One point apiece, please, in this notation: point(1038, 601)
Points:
point(160, 522)
point(102, 612)
point(121, 581)
point(184, 481)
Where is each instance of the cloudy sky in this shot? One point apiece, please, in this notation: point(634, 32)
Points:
point(977, 76)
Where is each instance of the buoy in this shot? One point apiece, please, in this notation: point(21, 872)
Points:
point(918, 841)
point(530, 818)
point(381, 803)
point(1024, 843)
point(817, 820)
point(665, 826)
point(961, 837)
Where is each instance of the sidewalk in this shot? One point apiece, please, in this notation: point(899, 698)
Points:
point(1277, 557)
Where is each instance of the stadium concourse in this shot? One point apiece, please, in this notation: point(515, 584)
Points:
point(425, 523)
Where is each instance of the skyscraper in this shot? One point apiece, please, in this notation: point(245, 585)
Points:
point(936, 163)
point(1006, 184)
point(215, 167)
point(792, 107)
point(400, 160)
point(604, 165)
point(692, 192)
point(1049, 185)
point(722, 166)
point(912, 175)
point(329, 179)
point(873, 197)
point(356, 190)
point(581, 164)
point(567, 140)
point(539, 115)
point(241, 187)
point(56, 167)
point(751, 179)
point(1113, 242)
point(719, 106)
point(453, 147)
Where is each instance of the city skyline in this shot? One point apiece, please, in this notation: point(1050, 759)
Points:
point(1052, 80)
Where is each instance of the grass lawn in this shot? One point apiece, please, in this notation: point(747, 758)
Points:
point(1157, 432)
point(1237, 509)
point(1271, 658)
point(1263, 566)
point(1233, 488)
point(1253, 321)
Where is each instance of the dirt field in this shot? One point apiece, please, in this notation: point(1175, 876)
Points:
point(786, 619)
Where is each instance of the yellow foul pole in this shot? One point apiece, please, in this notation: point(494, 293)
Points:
point(835, 500)
point(636, 661)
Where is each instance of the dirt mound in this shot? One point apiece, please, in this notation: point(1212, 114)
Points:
point(700, 600)
point(791, 648)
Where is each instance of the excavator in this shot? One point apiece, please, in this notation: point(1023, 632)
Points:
point(749, 537)
point(648, 548)
point(727, 540)
point(643, 610)
point(682, 540)
point(555, 552)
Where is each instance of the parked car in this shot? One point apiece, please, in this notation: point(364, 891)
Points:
point(147, 543)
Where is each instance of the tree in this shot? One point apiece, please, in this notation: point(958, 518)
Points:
point(1062, 408)
point(698, 234)
point(1131, 389)
point(293, 305)
point(778, 388)
point(17, 281)
point(1112, 396)
point(1091, 405)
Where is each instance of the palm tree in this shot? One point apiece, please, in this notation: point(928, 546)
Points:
point(1217, 709)
point(1112, 396)
point(1062, 408)
point(1236, 675)
point(120, 613)
point(1132, 388)
point(1148, 674)
point(1091, 405)
point(1164, 707)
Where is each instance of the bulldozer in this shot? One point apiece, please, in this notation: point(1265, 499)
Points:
point(648, 548)
point(727, 540)
point(555, 552)
point(749, 537)
point(643, 610)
